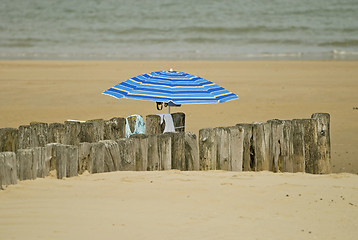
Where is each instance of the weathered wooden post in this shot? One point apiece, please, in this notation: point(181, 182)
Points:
point(222, 148)
point(165, 151)
point(39, 133)
point(60, 159)
point(152, 125)
point(2, 170)
point(287, 146)
point(26, 165)
point(310, 140)
point(47, 160)
point(84, 157)
point(98, 127)
point(33, 135)
point(56, 133)
point(268, 140)
point(72, 132)
point(236, 147)
point(275, 160)
point(8, 168)
point(8, 139)
point(179, 121)
point(72, 160)
point(140, 145)
point(111, 156)
point(191, 152)
point(153, 153)
point(298, 146)
point(126, 154)
point(207, 149)
point(114, 128)
point(97, 155)
point(248, 153)
point(51, 156)
point(91, 131)
point(88, 133)
point(39, 154)
point(24, 137)
point(260, 144)
point(323, 142)
point(178, 150)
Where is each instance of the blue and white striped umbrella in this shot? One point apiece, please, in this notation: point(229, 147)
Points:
point(171, 87)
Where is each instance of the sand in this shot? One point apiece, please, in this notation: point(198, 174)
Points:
point(54, 91)
point(182, 205)
point(186, 205)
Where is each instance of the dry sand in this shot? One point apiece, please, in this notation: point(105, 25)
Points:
point(186, 205)
point(182, 205)
point(54, 91)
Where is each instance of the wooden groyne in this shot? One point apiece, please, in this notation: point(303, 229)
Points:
point(73, 147)
point(299, 145)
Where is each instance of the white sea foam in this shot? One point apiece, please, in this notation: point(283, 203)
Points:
point(340, 52)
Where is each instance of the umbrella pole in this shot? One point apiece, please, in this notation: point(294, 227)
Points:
point(169, 109)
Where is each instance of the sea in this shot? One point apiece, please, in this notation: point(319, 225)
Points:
point(179, 30)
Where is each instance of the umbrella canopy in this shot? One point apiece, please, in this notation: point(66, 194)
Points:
point(172, 87)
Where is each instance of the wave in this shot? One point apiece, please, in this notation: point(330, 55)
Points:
point(132, 30)
point(349, 30)
point(238, 30)
point(183, 55)
point(193, 30)
point(341, 52)
point(28, 42)
point(340, 43)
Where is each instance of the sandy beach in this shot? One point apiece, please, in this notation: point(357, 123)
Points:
point(182, 205)
point(186, 205)
point(54, 91)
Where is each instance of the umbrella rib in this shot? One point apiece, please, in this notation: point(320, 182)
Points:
point(158, 96)
point(167, 77)
point(187, 91)
point(162, 85)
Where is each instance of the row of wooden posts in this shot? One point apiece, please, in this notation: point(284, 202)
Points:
point(299, 145)
point(74, 132)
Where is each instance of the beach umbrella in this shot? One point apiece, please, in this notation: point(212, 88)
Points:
point(171, 88)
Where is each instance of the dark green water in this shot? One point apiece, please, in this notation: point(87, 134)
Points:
point(169, 29)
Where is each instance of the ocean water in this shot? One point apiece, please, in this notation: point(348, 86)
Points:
point(186, 29)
